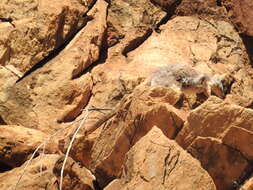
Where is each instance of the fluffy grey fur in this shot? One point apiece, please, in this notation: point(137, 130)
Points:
point(186, 77)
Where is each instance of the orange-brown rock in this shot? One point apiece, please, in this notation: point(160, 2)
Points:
point(241, 140)
point(137, 114)
point(38, 175)
point(204, 44)
point(18, 143)
point(240, 12)
point(81, 149)
point(212, 119)
point(35, 28)
point(225, 165)
point(243, 101)
point(55, 93)
point(248, 185)
point(130, 23)
point(43, 173)
point(210, 9)
point(155, 162)
point(7, 80)
point(76, 177)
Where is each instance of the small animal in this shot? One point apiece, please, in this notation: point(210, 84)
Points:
point(187, 79)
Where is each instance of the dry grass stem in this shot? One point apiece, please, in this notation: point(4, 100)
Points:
point(70, 145)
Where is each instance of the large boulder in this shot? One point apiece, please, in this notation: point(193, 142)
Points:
point(156, 162)
point(31, 30)
point(136, 115)
point(214, 118)
point(15, 151)
point(58, 91)
point(212, 47)
point(44, 173)
point(240, 12)
point(208, 9)
point(130, 23)
point(225, 165)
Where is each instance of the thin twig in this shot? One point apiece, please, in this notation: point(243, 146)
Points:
point(37, 149)
point(53, 135)
point(70, 145)
point(97, 109)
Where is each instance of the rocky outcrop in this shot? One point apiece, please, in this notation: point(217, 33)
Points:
point(126, 32)
point(213, 119)
point(61, 60)
point(34, 29)
point(212, 47)
point(76, 177)
point(55, 93)
point(15, 151)
point(241, 15)
point(226, 166)
point(208, 9)
point(218, 134)
point(155, 162)
point(43, 173)
point(137, 114)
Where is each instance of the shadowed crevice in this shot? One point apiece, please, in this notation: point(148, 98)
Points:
point(170, 10)
point(4, 167)
point(248, 43)
point(135, 43)
point(2, 122)
point(103, 54)
point(56, 51)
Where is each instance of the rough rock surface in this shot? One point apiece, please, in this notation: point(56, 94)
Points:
point(138, 113)
point(241, 140)
point(43, 173)
point(155, 162)
point(212, 47)
point(51, 94)
point(76, 177)
point(226, 166)
point(208, 9)
point(130, 30)
point(213, 119)
point(32, 29)
point(240, 13)
point(59, 59)
point(18, 144)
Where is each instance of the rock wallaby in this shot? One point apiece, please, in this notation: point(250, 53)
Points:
point(187, 79)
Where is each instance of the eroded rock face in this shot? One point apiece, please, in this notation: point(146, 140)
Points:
point(43, 173)
point(208, 9)
point(212, 47)
point(226, 166)
point(213, 119)
point(240, 12)
point(219, 135)
point(130, 23)
point(34, 177)
point(76, 177)
point(55, 93)
point(155, 162)
point(18, 144)
point(35, 28)
point(137, 114)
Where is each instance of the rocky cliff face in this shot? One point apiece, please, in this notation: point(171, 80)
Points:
point(74, 95)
